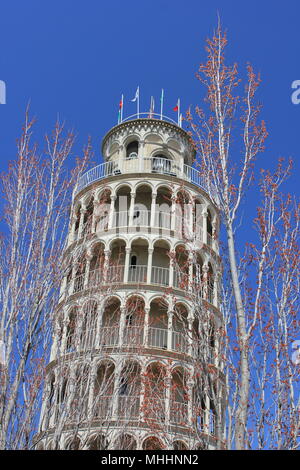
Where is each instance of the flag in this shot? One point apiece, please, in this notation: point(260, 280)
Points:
point(177, 108)
point(120, 114)
point(137, 94)
point(151, 112)
point(137, 99)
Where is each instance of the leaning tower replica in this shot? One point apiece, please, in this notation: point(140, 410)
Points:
point(136, 356)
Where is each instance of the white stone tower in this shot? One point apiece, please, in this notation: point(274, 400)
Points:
point(136, 362)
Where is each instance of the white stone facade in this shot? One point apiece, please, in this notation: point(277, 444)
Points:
point(146, 230)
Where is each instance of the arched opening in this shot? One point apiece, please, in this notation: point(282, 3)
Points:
point(210, 284)
point(179, 397)
point(115, 271)
point(158, 324)
point(180, 331)
point(77, 222)
point(152, 443)
point(74, 444)
point(138, 271)
point(102, 211)
point(77, 412)
point(155, 393)
point(80, 274)
point(122, 205)
point(71, 330)
point(132, 150)
point(198, 274)
point(103, 390)
point(184, 216)
point(88, 217)
point(160, 263)
point(209, 229)
point(181, 268)
point(142, 206)
point(98, 443)
point(97, 265)
point(198, 220)
point(89, 324)
point(125, 442)
point(110, 323)
point(164, 208)
point(199, 403)
point(129, 391)
point(134, 322)
point(179, 445)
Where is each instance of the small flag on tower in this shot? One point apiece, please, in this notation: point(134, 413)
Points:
point(177, 108)
point(151, 112)
point(120, 115)
point(137, 99)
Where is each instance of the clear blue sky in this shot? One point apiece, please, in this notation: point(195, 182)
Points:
point(76, 58)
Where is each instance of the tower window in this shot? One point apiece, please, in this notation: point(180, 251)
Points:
point(132, 150)
point(133, 261)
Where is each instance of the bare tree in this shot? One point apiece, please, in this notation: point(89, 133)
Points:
point(38, 190)
point(247, 291)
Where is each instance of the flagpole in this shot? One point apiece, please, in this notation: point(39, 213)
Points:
point(122, 108)
point(178, 111)
point(161, 103)
point(138, 103)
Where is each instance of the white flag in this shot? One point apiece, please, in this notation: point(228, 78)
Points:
point(136, 94)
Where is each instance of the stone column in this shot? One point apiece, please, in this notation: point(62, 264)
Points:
point(191, 271)
point(171, 269)
point(204, 215)
point(131, 209)
point(170, 329)
point(173, 213)
point(146, 326)
point(126, 267)
point(106, 266)
point(89, 257)
point(92, 403)
point(111, 212)
point(168, 400)
point(80, 228)
point(149, 265)
point(153, 210)
point(141, 156)
point(72, 230)
point(122, 325)
point(205, 270)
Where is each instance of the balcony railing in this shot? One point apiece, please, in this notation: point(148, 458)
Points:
point(178, 413)
point(144, 165)
point(138, 274)
point(158, 338)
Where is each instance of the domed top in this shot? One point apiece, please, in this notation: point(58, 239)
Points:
point(148, 138)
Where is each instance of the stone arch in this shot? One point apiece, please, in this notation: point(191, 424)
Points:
point(152, 443)
point(98, 442)
point(125, 442)
point(155, 391)
point(179, 445)
point(73, 443)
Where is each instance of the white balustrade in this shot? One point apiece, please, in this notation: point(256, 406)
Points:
point(160, 276)
point(158, 338)
point(179, 413)
point(144, 165)
point(137, 274)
